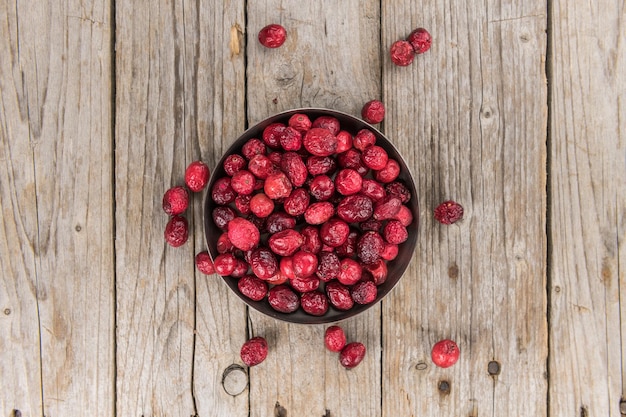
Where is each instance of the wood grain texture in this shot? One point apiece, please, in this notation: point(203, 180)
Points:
point(58, 253)
point(317, 66)
point(470, 117)
point(588, 210)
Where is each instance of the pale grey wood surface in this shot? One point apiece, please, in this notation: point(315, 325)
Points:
point(516, 112)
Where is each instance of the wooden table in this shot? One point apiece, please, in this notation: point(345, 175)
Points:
point(516, 112)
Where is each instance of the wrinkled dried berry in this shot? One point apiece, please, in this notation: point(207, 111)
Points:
point(348, 182)
point(352, 355)
point(378, 271)
point(286, 267)
point(363, 139)
point(420, 40)
point(328, 266)
point(224, 244)
point(242, 202)
point(262, 166)
point(243, 234)
point(312, 241)
point(355, 208)
point(445, 353)
point(318, 213)
point(314, 303)
point(253, 147)
point(352, 159)
point(261, 205)
point(334, 232)
point(389, 173)
point(344, 141)
point(339, 295)
point(278, 278)
point(300, 122)
point(222, 193)
point(304, 284)
point(364, 292)
point(277, 186)
point(349, 271)
point(390, 251)
point(271, 134)
point(348, 248)
point(263, 263)
point(394, 232)
point(197, 176)
point(370, 224)
point(252, 287)
point(254, 351)
point(327, 122)
point(222, 215)
point(176, 231)
point(399, 190)
point(175, 200)
point(241, 269)
point(320, 142)
point(272, 36)
point(225, 264)
point(259, 222)
point(373, 111)
point(294, 167)
point(297, 202)
point(402, 53)
point(318, 165)
point(322, 187)
point(286, 242)
point(369, 247)
point(304, 264)
point(372, 189)
point(334, 338)
point(290, 139)
point(282, 298)
point(404, 216)
point(279, 221)
point(243, 182)
point(204, 263)
point(448, 212)
point(387, 207)
point(375, 157)
point(233, 163)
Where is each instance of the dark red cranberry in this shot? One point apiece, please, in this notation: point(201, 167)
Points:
point(282, 298)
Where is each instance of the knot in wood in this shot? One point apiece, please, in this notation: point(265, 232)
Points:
point(234, 379)
point(444, 387)
point(493, 368)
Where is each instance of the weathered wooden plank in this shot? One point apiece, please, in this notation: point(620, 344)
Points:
point(588, 209)
point(220, 380)
point(57, 150)
point(470, 117)
point(330, 59)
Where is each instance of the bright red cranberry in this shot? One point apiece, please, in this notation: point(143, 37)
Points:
point(263, 263)
point(387, 208)
point(243, 234)
point(373, 111)
point(233, 163)
point(282, 298)
point(175, 200)
point(253, 147)
point(314, 303)
point(300, 122)
point(327, 122)
point(272, 36)
point(197, 176)
point(176, 231)
point(204, 263)
point(320, 165)
point(304, 284)
point(295, 168)
point(224, 244)
point(369, 247)
point(242, 202)
point(261, 205)
point(222, 193)
point(389, 173)
point(390, 252)
point(355, 208)
point(375, 157)
point(261, 166)
point(449, 212)
point(445, 353)
point(352, 355)
point(348, 182)
point(222, 215)
point(395, 232)
point(322, 187)
point(339, 295)
point(334, 232)
point(252, 287)
point(402, 53)
point(320, 142)
point(420, 40)
point(334, 338)
point(378, 270)
point(254, 351)
point(328, 266)
point(286, 242)
point(372, 189)
point(225, 264)
point(304, 264)
point(364, 292)
point(318, 213)
point(277, 186)
point(350, 271)
point(243, 182)
point(364, 138)
point(312, 241)
point(297, 202)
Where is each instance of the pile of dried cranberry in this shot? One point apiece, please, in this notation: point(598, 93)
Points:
point(310, 215)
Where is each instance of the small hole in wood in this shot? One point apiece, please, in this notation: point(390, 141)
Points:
point(493, 368)
point(444, 387)
point(7, 311)
point(78, 228)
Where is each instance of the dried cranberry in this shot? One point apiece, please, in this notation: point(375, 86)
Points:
point(290, 139)
point(312, 241)
point(318, 213)
point(278, 278)
point(275, 157)
point(387, 207)
point(314, 303)
point(334, 338)
point(304, 264)
point(370, 224)
point(225, 264)
point(369, 247)
point(277, 186)
point(222, 193)
point(253, 147)
point(390, 251)
point(378, 270)
point(318, 165)
point(286, 242)
point(263, 263)
point(272, 36)
point(297, 202)
point(241, 269)
point(261, 205)
point(286, 267)
point(261, 166)
point(252, 287)
point(352, 355)
point(445, 353)
point(334, 232)
point(348, 248)
point(242, 202)
point(350, 271)
point(420, 40)
point(322, 187)
point(282, 298)
point(279, 221)
point(344, 141)
point(449, 212)
point(389, 173)
point(394, 232)
point(224, 245)
point(373, 111)
point(339, 295)
point(352, 159)
point(243, 234)
point(233, 163)
point(320, 142)
point(363, 139)
point(364, 292)
point(175, 200)
point(372, 189)
point(328, 266)
point(204, 263)
point(300, 122)
point(304, 284)
point(355, 208)
point(259, 222)
point(243, 182)
point(375, 157)
point(222, 215)
point(402, 53)
point(197, 176)
point(404, 216)
point(396, 188)
point(348, 181)
point(176, 231)
point(327, 122)
point(254, 351)
point(271, 134)
point(294, 167)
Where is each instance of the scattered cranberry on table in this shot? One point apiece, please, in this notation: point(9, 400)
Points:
point(420, 39)
point(334, 338)
point(177, 231)
point(448, 212)
point(445, 353)
point(373, 111)
point(352, 355)
point(204, 263)
point(402, 53)
point(272, 36)
point(175, 200)
point(254, 351)
point(197, 176)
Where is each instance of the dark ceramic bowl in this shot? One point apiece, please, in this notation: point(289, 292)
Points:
point(395, 268)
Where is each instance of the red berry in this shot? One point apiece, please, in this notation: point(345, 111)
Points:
point(277, 186)
point(402, 53)
point(344, 141)
point(222, 215)
point(339, 295)
point(241, 269)
point(272, 36)
point(390, 251)
point(318, 213)
point(243, 234)
point(352, 354)
point(373, 111)
point(322, 187)
point(327, 122)
point(286, 242)
point(448, 212)
point(252, 287)
point(253, 147)
point(279, 221)
point(369, 247)
point(445, 353)
point(263, 263)
point(197, 176)
point(355, 208)
point(294, 167)
point(177, 231)
point(328, 266)
point(297, 202)
point(224, 244)
point(304, 264)
point(387, 208)
point(334, 232)
point(283, 299)
point(334, 339)
point(377, 270)
point(420, 40)
point(290, 139)
point(261, 166)
point(271, 134)
point(363, 139)
point(254, 351)
point(319, 165)
point(364, 292)
point(225, 264)
point(320, 142)
point(348, 182)
point(243, 182)
point(349, 271)
point(312, 241)
point(233, 163)
point(222, 192)
point(389, 173)
point(204, 263)
point(375, 157)
point(175, 200)
point(261, 205)
point(306, 284)
point(314, 303)
point(395, 232)
point(300, 122)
